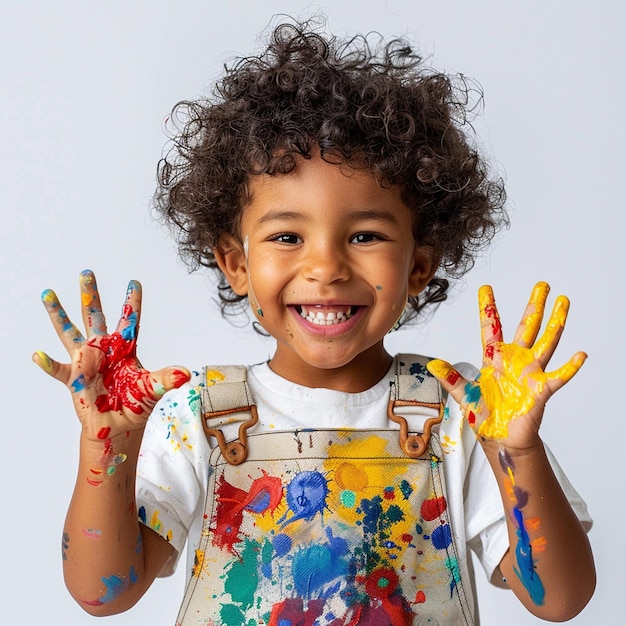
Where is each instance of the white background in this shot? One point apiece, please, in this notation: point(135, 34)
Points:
point(84, 89)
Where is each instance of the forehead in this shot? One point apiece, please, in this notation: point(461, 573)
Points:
point(316, 185)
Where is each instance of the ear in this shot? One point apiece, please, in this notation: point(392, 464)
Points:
point(231, 259)
point(424, 267)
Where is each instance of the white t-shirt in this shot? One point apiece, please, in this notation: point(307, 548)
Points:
point(173, 466)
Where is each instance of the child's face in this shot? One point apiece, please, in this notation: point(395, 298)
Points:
point(328, 262)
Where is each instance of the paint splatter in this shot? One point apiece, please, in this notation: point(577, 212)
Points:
point(509, 392)
point(349, 541)
point(65, 544)
point(115, 587)
point(525, 569)
point(306, 496)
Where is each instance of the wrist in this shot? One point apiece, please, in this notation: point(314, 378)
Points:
point(494, 449)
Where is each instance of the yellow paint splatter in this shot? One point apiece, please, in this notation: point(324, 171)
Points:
point(213, 377)
point(44, 361)
point(198, 561)
point(532, 321)
point(155, 522)
point(447, 443)
point(511, 392)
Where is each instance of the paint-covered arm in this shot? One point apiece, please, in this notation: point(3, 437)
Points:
point(109, 558)
point(549, 564)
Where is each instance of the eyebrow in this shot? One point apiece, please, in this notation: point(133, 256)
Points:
point(358, 214)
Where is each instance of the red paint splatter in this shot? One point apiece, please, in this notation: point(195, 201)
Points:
point(420, 597)
point(471, 418)
point(492, 313)
point(128, 386)
point(178, 378)
point(265, 495)
point(292, 611)
point(381, 583)
point(452, 377)
point(103, 433)
point(433, 508)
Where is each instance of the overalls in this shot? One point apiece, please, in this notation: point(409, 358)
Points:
point(325, 527)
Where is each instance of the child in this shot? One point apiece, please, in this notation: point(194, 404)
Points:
point(331, 187)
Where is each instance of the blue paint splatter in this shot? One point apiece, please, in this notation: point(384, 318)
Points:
point(524, 556)
point(130, 332)
point(419, 371)
point(306, 496)
point(442, 537)
point(472, 393)
point(79, 383)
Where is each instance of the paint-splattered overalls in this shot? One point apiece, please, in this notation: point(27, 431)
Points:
point(332, 527)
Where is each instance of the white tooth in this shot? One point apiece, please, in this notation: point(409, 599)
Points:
point(320, 316)
point(330, 317)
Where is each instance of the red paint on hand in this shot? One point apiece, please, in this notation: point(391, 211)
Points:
point(103, 433)
point(452, 377)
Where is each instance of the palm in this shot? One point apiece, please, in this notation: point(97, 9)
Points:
point(110, 388)
point(507, 400)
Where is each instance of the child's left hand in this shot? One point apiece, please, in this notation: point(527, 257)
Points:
point(506, 401)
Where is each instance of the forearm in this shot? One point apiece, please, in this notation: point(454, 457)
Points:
point(103, 556)
point(549, 565)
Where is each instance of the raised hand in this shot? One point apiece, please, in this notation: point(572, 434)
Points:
point(111, 390)
point(506, 402)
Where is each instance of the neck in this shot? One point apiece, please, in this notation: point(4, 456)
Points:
point(363, 372)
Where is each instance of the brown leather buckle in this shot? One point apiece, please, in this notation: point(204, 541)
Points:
point(235, 452)
point(414, 445)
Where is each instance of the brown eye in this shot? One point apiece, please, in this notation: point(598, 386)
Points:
point(364, 238)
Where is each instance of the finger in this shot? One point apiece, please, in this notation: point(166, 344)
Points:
point(93, 317)
point(168, 378)
point(465, 392)
point(50, 366)
point(69, 335)
point(549, 340)
point(528, 328)
point(566, 372)
point(128, 325)
point(490, 326)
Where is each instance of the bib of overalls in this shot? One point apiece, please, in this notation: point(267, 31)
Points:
point(326, 527)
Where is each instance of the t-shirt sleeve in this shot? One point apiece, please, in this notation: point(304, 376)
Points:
point(169, 474)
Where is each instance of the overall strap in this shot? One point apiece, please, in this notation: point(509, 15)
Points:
point(413, 385)
point(226, 399)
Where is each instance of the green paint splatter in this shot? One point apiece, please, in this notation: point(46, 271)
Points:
point(243, 577)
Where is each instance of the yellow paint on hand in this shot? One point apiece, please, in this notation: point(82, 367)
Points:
point(510, 393)
point(532, 321)
point(44, 361)
point(48, 296)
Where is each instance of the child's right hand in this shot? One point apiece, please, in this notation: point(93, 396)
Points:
point(112, 392)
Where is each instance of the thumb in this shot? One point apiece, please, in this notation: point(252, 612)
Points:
point(168, 378)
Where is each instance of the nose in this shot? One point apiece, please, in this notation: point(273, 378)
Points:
point(325, 263)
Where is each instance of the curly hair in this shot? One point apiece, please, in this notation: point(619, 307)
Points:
point(363, 101)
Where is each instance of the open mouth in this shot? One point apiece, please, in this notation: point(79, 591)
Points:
point(326, 316)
